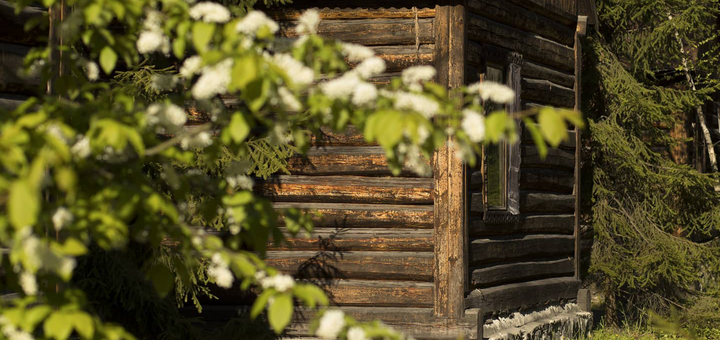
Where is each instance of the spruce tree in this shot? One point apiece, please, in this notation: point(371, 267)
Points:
point(656, 221)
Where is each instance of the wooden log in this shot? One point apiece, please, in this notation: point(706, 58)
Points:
point(561, 181)
point(367, 215)
point(398, 58)
point(411, 266)
point(350, 137)
point(11, 101)
point(555, 158)
point(384, 79)
point(506, 248)
point(11, 63)
point(527, 224)
point(13, 26)
point(568, 144)
point(371, 31)
point(350, 239)
point(521, 271)
point(364, 12)
point(347, 189)
point(477, 204)
point(545, 92)
point(539, 71)
point(542, 202)
point(524, 19)
point(533, 47)
point(550, 10)
point(516, 295)
point(381, 293)
point(363, 161)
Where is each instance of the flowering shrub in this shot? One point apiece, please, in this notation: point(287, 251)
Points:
point(89, 166)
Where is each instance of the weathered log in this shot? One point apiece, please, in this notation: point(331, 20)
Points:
point(541, 202)
point(11, 63)
point(545, 92)
point(342, 215)
point(555, 158)
point(477, 204)
point(364, 161)
point(380, 293)
point(538, 71)
point(351, 239)
point(532, 47)
point(521, 271)
point(522, 18)
point(398, 58)
point(365, 12)
point(411, 266)
point(561, 181)
point(526, 224)
point(506, 248)
point(14, 25)
point(11, 101)
point(384, 79)
point(517, 295)
point(371, 31)
point(350, 137)
point(569, 143)
point(347, 189)
point(562, 13)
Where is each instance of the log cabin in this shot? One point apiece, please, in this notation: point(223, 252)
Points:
point(486, 252)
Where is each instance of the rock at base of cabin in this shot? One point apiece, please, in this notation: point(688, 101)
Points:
point(552, 323)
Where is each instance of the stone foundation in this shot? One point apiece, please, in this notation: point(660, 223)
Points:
point(552, 323)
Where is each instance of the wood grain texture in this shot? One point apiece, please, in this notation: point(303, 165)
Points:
point(398, 58)
point(364, 161)
point(380, 293)
point(557, 181)
point(350, 137)
point(450, 268)
point(539, 71)
point(545, 92)
point(364, 12)
point(542, 202)
point(411, 266)
point(527, 224)
point(13, 26)
point(517, 295)
point(533, 47)
point(523, 19)
point(555, 158)
point(371, 31)
point(551, 9)
point(347, 189)
point(504, 248)
point(521, 271)
point(349, 239)
point(341, 215)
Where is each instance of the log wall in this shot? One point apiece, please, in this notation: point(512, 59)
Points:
point(518, 261)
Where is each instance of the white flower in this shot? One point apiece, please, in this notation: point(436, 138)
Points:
point(12, 332)
point(28, 283)
point(496, 92)
point(299, 73)
point(61, 218)
point(210, 12)
point(81, 149)
point(423, 133)
point(331, 324)
point(308, 22)
point(222, 275)
point(415, 102)
point(175, 115)
point(253, 21)
point(213, 81)
point(152, 41)
point(66, 266)
point(163, 82)
point(370, 67)
point(289, 100)
point(356, 333)
point(280, 282)
point(198, 141)
point(355, 52)
point(241, 181)
point(414, 76)
point(191, 66)
point(169, 116)
point(473, 123)
point(91, 70)
point(55, 131)
point(364, 94)
point(153, 21)
point(259, 275)
point(342, 87)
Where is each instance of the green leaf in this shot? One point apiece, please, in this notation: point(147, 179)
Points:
point(73, 247)
point(23, 204)
point(537, 137)
point(83, 324)
point(256, 93)
point(92, 13)
point(552, 126)
point(179, 47)
point(386, 127)
point(162, 279)
point(243, 72)
point(108, 58)
point(202, 34)
point(58, 326)
point(260, 303)
point(238, 128)
point(280, 312)
point(33, 316)
point(495, 125)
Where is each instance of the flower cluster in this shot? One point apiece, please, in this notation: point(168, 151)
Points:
point(81, 148)
point(220, 272)
point(414, 76)
point(355, 52)
point(416, 102)
point(61, 218)
point(210, 12)
point(196, 141)
point(214, 80)
point(331, 324)
point(473, 123)
point(279, 282)
point(168, 117)
point(301, 74)
point(12, 332)
point(308, 22)
point(254, 21)
point(370, 67)
point(495, 92)
point(191, 66)
point(152, 38)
